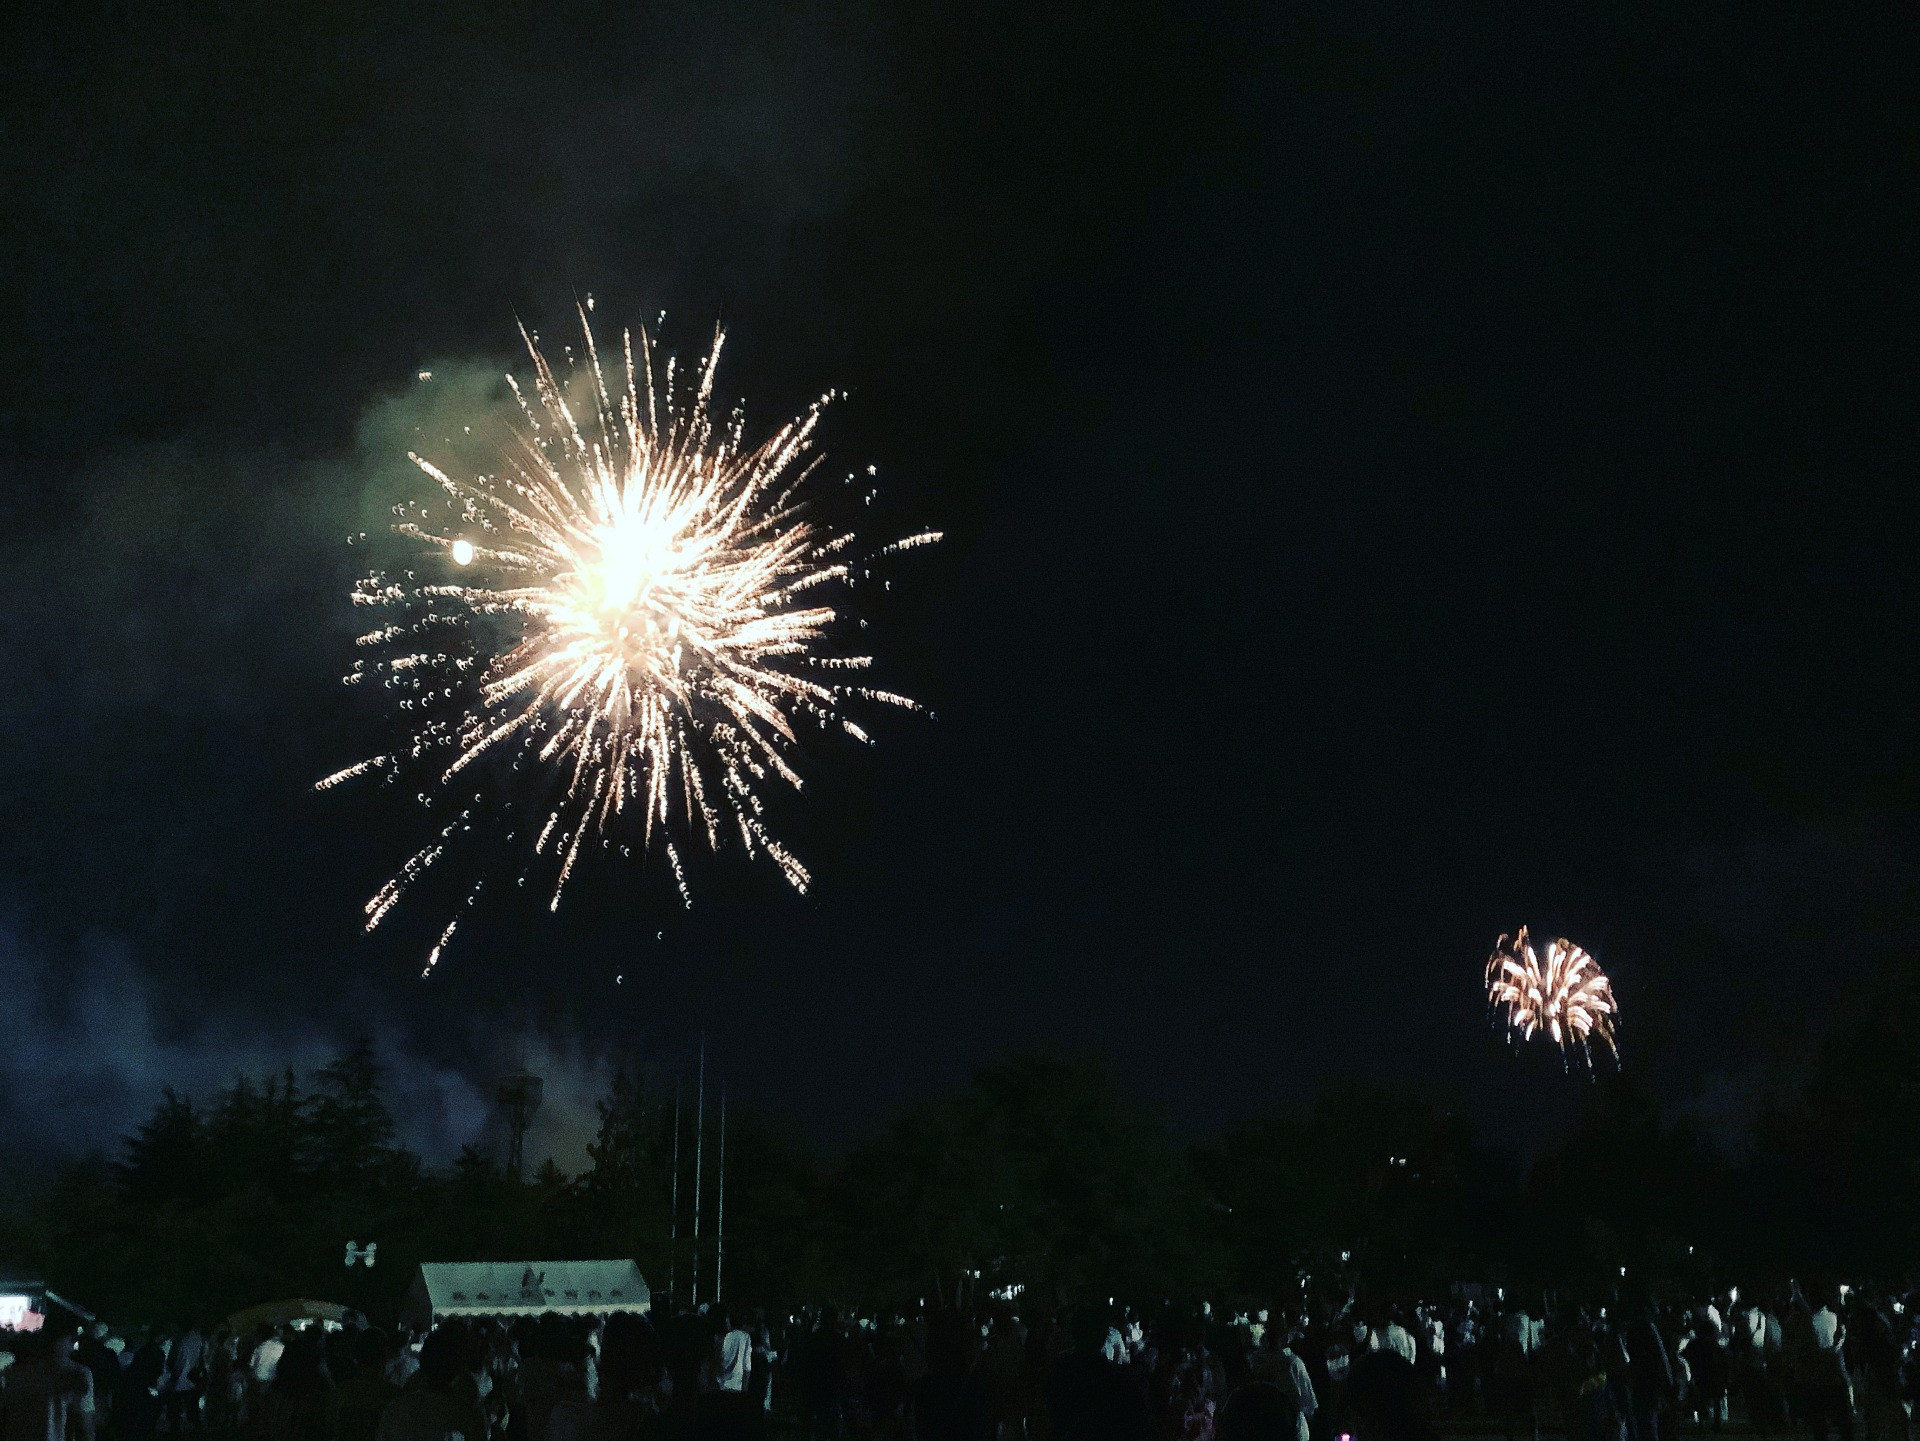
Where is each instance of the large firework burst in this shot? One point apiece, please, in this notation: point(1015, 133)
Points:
point(1563, 993)
point(628, 616)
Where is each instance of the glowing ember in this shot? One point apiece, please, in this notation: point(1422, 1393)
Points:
point(633, 635)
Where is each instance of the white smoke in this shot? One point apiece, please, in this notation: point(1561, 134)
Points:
point(85, 1056)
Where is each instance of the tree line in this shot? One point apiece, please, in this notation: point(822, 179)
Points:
point(1042, 1173)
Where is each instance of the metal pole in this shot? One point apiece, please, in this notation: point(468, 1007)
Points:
point(699, 1138)
point(720, 1220)
point(673, 1222)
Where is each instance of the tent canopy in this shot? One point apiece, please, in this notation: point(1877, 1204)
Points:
point(526, 1288)
point(275, 1313)
point(25, 1305)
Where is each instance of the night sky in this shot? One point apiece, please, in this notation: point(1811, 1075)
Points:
point(1408, 470)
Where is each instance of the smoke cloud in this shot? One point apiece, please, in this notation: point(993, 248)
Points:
point(86, 1051)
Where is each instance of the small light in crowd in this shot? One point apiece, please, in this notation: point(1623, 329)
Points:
point(463, 552)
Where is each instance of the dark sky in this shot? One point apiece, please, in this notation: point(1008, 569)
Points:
point(1408, 470)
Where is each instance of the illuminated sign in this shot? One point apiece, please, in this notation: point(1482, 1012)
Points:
point(17, 1313)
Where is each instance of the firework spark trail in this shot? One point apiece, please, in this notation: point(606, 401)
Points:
point(620, 618)
point(1564, 994)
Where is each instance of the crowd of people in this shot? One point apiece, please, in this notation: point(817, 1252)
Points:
point(1826, 1362)
point(1814, 1364)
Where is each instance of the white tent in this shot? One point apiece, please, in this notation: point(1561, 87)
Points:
point(525, 1288)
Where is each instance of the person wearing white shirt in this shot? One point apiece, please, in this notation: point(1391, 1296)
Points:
point(1524, 1331)
point(266, 1359)
point(1829, 1397)
point(1278, 1365)
point(1396, 1338)
point(1828, 1333)
point(1748, 1353)
point(736, 1358)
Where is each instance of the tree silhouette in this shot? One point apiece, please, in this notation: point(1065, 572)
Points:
point(348, 1130)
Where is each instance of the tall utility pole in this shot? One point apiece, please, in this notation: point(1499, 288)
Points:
point(699, 1137)
point(673, 1222)
point(720, 1220)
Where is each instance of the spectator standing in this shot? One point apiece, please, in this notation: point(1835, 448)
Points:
point(1003, 1370)
point(1278, 1365)
point(297, 1405)
point(1595, 1408)
point(1827, 1397)
point(950, 1403)
point(1091, 1399)
point(628, 1404)
point(433, 1408)
point(264, 1360)
point(760, 1378)
point(1747, 1363)
point(1876, 1363)
point(103, 1363)
point(185, 1379)
point(364, 1395)
point(224, 1375)
point(735, 1359)
point(820, 1367)
point(404, 1363)
point(1432, 1328)
point(1707, 1367)
point(137, 1404)
point(1650, 1378)
point(1512, 1383)
point(1388, 1334)
point(1257, 1411)
point(1383, 1398)
point(47, 1391)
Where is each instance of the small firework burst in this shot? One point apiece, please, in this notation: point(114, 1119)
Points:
point(1562, 993)
point(629, 617)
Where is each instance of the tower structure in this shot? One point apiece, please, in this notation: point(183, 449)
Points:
point(519, 1097)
